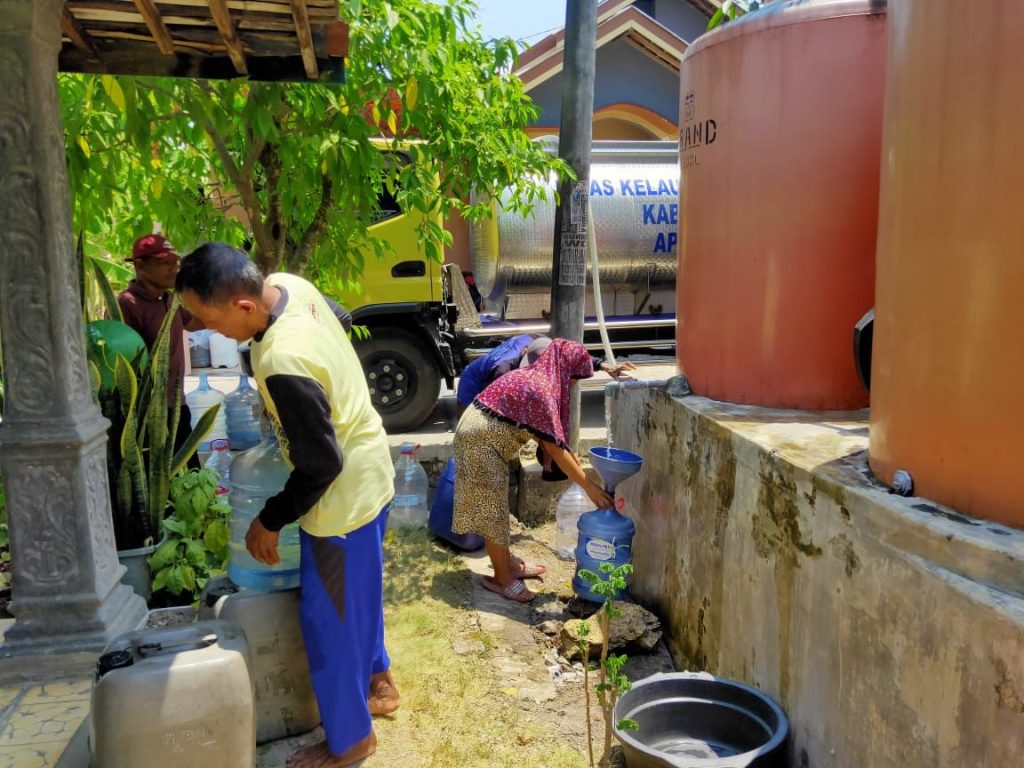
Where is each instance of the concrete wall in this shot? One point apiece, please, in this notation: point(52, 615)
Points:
point(890, 629)
point(623, 75)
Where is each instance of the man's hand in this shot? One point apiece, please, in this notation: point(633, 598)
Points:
point(262, 544)
point(618, 371)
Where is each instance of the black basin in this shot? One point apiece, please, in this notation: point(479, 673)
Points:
point(696, 720)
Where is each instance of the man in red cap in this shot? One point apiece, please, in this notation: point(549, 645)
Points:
point(145, 303)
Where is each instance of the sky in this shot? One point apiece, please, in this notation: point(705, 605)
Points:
point(530, 20)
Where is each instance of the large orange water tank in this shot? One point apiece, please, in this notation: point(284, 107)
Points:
point(780, 135)
point(947, 385)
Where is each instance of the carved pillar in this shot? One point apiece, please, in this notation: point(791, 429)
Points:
point(66, 590)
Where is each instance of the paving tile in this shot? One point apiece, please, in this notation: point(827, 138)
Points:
point(59, 692)
point(43, 723)
point(44, 755)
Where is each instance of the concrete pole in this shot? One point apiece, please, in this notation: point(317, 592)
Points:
point(67, 595)
point(569, 260)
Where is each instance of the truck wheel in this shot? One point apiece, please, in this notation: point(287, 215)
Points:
point(402, 375)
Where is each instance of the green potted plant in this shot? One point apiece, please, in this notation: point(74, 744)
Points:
point(196, 535)
point(130, 386)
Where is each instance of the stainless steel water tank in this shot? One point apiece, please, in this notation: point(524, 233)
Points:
point(634, 194)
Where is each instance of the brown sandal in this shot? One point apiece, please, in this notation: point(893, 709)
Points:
point(516, 591)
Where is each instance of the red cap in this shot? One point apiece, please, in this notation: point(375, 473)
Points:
point(153, 247)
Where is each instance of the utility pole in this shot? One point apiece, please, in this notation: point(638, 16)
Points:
point(569, 259)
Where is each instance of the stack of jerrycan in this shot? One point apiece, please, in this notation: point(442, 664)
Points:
point(173, 697)
point(285, 704)
point(256, 475)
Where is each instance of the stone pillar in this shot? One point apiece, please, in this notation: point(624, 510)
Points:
point(66, 577)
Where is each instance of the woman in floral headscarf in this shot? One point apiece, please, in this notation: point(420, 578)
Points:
point(530, 402)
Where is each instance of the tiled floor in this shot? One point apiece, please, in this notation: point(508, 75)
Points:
point(38, 721)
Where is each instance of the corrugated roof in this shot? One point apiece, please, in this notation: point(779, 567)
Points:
point(264, 39)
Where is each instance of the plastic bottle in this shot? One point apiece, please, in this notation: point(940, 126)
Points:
point(223, 352)
point(256, 475)
point(571, 504)
point(201, 400)
point(220, 462)
point(244, 406)
point(409, 508)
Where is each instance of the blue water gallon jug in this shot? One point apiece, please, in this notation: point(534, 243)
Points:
point(440, 521)
point(244, 407)
point(605, 536)
point(256, 475)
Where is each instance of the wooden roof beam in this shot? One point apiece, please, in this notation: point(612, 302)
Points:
point(77, 35)
point(148, 10)
point(300, 15)
point(222, 17)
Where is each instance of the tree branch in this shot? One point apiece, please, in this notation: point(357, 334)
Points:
point(265, 246)
point(315, 231)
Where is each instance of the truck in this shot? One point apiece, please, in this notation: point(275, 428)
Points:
point(424, 328)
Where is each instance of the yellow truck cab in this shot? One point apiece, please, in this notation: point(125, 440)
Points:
point(407, 300)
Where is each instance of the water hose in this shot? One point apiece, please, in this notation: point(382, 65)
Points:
point(595, 279)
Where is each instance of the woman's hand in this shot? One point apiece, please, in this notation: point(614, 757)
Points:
point(618, 371)
point(598, 495)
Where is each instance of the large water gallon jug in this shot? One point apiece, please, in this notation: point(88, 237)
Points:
point(199, 401)
point(605, 536)
point(285, 703)
point(223, 352)
point(571, 505)
point(244, 407)
point(440, 521)
point(199, 348)
point(409, 508)
point(256, 475)
point(175, 696)
point(220, 461)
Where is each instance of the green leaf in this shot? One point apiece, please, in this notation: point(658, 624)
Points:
point(716, 20)
point(195, 552)
point(174, 526)
point(216, 538)
point(165, 554)
point(176, 579)
point(160, 580)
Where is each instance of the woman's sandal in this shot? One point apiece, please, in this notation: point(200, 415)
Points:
point(516, 591)
point(529, 571)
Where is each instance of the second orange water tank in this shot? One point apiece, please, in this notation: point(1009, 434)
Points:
point(780, 135)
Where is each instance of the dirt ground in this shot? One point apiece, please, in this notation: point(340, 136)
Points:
point(473, 668)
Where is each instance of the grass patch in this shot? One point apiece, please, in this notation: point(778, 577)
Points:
point(454, 713)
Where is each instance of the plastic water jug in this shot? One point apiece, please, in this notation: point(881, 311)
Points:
point(605, 536)
point(223, 351)
point(199, 348)
point(409, 508)
point(441, 509)
point(176, 696)
point(256, 475)
point(571, 504)
point(285, 703)
point(220, 462)
point(244, 407)
point(199, 401)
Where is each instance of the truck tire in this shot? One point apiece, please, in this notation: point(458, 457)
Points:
point(402, 376)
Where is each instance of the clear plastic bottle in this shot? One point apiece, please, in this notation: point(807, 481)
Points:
point(409, 507)
point(220, 462)
point(244, 406)
point(571, 504)
point(256, 475)
point(199, 401)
